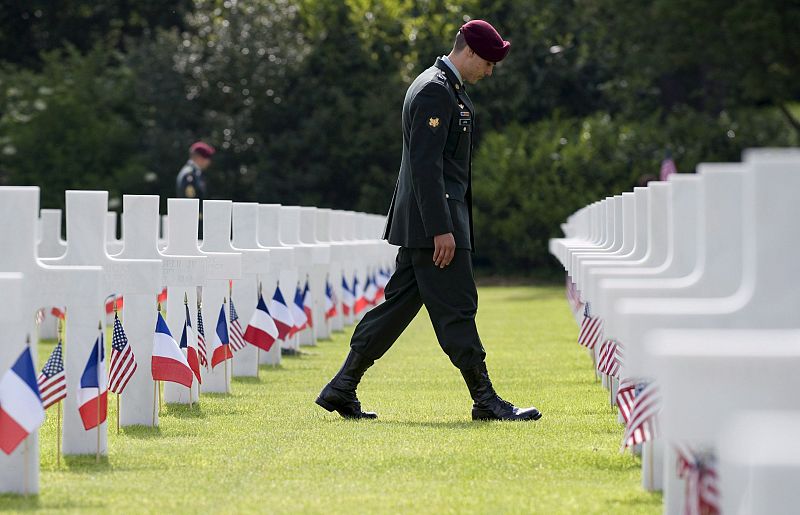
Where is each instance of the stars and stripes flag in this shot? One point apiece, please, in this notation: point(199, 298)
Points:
point(667, 167)
point(123, 362)
point(220, 342)
point(307, 300)
point(281, 314)
point(21, 410)
point(643, 424)
point(297, 311)
point(201, 338)
point(625, 397)
point(573, 297)
point(330, 302)
point(39, 317)
point(237, 335)
point(52, 382)
point(347, 297)
point(610, 360)
point(168, 362)
point(93, 388)
point(591, 329)
point(261, 331)
point(188, 342)
point(701, 482)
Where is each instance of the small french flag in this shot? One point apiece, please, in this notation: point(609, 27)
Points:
point(220, 343)
point(330, 305)
point(261, 331)
point(21, 410)
point(281, 314)
point(93, 389)
point(169, 362)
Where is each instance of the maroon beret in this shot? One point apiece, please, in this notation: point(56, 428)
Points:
point(203, 149)
point(484, 40)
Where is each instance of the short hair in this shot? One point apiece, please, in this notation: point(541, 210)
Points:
point(460, 43)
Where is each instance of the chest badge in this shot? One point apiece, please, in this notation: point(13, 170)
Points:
point(433, 122)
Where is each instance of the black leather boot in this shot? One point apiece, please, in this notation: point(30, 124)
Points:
point(340, 394)
point(488, 405)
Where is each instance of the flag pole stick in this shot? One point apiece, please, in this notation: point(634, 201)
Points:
point(155, 385)
point(99, 353)
point(159, 396)
point(58, 436)
point(117, 413)
point(25, 459)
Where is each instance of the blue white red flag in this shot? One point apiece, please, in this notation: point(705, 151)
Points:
point(188, 342)
point(347, 297)
point(281, 314)
point(169, 363)
point(297, 311)
point(360, 301)
point(330, 304)
point(261, 331)
point(220, 343)
point(21, 410)
point(93, 389)
point(307, 309)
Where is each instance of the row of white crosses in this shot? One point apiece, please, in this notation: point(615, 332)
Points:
point(696, 279)
point(245, 246)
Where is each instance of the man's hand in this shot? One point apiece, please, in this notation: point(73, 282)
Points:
point(444, 248)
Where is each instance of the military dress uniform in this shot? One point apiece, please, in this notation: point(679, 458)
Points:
point(190, 182)
point(433, 196)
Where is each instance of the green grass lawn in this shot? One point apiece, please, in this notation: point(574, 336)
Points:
point(268, 448)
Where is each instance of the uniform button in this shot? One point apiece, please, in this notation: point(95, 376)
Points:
point(464, 129)
point(446, 195)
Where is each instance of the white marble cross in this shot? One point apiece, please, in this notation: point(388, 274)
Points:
point(140, 232)
point(184, 271)
point(76, 288)
point(223, 264)
point(283, 261)
point(135, 279)
point(255, 270)
point(320, 268)
point(19, 471)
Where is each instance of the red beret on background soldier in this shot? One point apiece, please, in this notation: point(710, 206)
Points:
point(190, 182)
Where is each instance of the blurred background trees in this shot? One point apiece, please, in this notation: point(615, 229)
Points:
point(302, 98)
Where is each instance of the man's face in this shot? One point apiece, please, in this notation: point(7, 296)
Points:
point(477, 67)
point(202, 162)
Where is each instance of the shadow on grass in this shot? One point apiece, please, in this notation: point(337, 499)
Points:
point(184, 411)
point(19, 502)
point(247, 380)
point(86, 463)
point(464, 426)
point(141, 432)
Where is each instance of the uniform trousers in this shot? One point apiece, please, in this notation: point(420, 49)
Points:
point(450, 296)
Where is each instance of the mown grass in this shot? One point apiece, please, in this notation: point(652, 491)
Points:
point(268, 448)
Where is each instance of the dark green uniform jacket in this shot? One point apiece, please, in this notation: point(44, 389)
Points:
point(433, 194)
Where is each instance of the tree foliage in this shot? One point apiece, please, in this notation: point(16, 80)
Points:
point(303, 98)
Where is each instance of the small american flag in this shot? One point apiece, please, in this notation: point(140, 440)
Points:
point(201, 338)
point(700, 475)
point(625, 397)
point(237, 335)
point(610, 358)
point(591, 329)
point(643, 424)
point(573, 297)
point(53, 381)
point(123, 363)
point(39, 318)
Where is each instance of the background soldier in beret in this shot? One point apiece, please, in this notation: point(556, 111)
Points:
point(430, 219)
point(190, 182)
